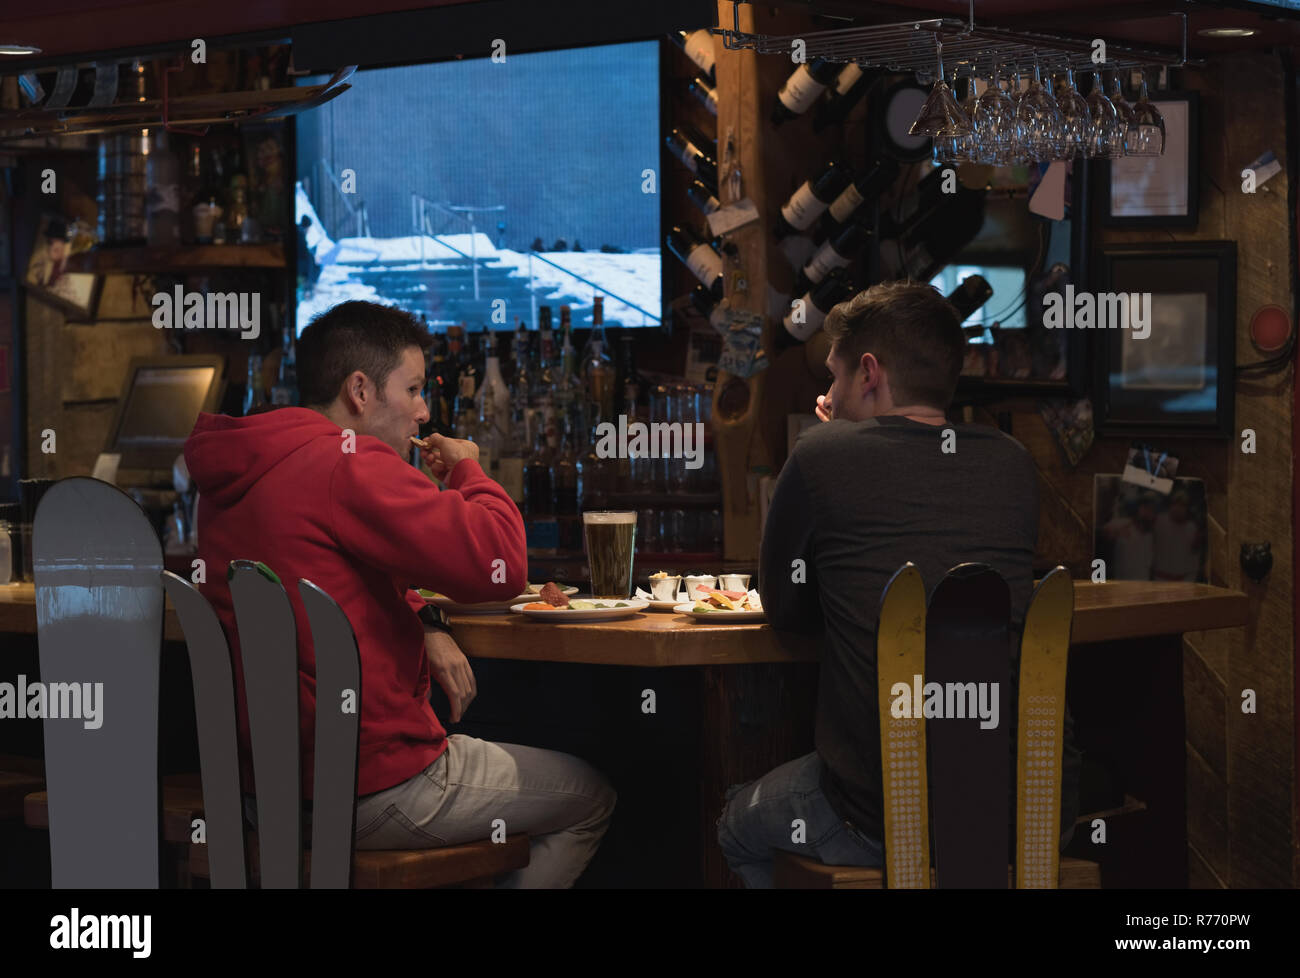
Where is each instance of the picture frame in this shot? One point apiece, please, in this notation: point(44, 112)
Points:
point(57, 240)
point(1145, 535)
point(1163, 191)
point(1168, 371)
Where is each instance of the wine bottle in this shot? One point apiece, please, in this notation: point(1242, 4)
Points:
point(692, 149)
point(814, 195)
point(935, 227)
point(801, 89)
point(706, 93)
point(838, 101)
point(699, 256)
point(868, 186)
point(698, 46)
point(973, 292)
point(284, 393)
point(254, 393)
point(703, 197)
point(837, 252)
point(597, 369)
point(812, 309)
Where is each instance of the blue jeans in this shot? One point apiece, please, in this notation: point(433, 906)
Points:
point(759, 817)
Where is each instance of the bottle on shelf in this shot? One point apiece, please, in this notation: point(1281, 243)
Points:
point(539, 491)
point(812, 198)
point(817, 302)
point(970, 295)
point(566, 386)
point(592, 492)
point(932, 228)
point(597, 368)
point(705, 92)
point(837, 252)
point(510, 468)
point(848, 205)
point(802, 88)
point(494, 390)
point(631, 383)
point(841, 96)
point(699, 256)
point(254, 393)
point(698, 46)
point(566, 473)
point(703, 197)
point(285, 391)
point(699, 155)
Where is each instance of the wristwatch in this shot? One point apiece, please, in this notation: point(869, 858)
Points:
point(434, 617)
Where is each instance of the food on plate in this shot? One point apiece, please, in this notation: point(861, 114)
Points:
point(711, 599)
point(581, 605)
point(552, 595)
point(539, 606)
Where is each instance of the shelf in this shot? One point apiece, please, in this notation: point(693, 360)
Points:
point(187, 257)
point(664, 500)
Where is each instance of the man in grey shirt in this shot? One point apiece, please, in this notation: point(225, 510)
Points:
point(860, 496)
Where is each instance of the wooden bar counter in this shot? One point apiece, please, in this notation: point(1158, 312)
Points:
point(748, 703)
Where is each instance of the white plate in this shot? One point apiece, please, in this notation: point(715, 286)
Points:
point(664, 605)
point(486, 607)
point(591, 614)
point(731, 616)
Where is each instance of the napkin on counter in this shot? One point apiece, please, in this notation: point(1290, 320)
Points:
point(755, 601)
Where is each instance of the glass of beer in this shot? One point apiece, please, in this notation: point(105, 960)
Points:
point(611, 546)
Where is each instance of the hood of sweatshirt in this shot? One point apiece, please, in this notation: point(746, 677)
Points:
point(227, 456)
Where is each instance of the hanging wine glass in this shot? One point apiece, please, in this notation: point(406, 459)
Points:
point(1040, 121)
point(1147, 136)
point(1106, 129)
point(964, 151)
point(1075, 118)
point(941, 117)
point(1125, 110)
point(996, 131)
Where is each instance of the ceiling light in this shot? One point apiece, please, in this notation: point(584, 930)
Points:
point(1226, 32)
point(18, 49)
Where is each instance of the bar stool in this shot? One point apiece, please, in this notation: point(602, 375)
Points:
point(99, 615)
point(963, 638)
point(264, 618)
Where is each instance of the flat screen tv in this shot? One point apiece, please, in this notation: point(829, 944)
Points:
point(476, 191)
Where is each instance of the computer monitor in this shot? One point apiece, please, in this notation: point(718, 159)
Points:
point(161, 399)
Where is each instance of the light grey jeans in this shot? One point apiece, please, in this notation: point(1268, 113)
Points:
point(562, 802)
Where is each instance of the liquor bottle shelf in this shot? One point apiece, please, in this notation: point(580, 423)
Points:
point(164, 259)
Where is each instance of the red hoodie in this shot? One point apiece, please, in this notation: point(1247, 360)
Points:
point(364, 526)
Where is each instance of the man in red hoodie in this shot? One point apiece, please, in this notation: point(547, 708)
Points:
point(324, 492)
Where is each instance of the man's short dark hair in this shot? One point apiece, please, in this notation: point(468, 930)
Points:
point(352, 336)
point(912, 330)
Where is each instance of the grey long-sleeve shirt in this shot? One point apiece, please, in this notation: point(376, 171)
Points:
point(857, 500)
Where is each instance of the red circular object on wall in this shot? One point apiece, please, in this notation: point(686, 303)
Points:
point(1269, 328)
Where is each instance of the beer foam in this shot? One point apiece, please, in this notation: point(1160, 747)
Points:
point(607, 517)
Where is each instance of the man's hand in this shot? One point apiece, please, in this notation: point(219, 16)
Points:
point(824, 409)
point(443, 453)
point(450, 668)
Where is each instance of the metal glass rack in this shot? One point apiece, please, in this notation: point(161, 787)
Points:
point(915, 46)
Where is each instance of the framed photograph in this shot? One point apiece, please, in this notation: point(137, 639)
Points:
point(1164, 338)
point(58, 239)
point(1143, 535)
point(1157, 191)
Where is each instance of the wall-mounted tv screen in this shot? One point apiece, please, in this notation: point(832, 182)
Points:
point(463, 189)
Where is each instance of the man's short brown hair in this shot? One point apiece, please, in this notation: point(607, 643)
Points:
point(912, 330)
point(355, 335)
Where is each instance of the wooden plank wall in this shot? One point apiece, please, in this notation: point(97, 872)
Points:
point(1240, 768)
